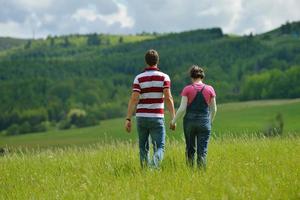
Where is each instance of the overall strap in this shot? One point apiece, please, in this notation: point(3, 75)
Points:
point(198, 108)
point(203, 88)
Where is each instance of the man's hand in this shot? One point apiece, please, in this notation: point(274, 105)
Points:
point(133, 101)
point(172, 126)
point(128, 126)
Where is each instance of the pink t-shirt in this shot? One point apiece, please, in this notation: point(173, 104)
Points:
point(190, 92)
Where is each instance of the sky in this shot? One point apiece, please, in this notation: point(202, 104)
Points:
point(40, 18)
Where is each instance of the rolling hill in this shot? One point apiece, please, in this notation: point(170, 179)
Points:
point(8, 43)
point(88, 77)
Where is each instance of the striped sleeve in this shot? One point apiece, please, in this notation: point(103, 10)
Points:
point(136, 85)
point(167, 82)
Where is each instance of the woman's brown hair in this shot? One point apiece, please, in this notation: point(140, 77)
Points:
point(197, 72)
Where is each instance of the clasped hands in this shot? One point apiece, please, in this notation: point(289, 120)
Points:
point(172, 126)
point(128, 126)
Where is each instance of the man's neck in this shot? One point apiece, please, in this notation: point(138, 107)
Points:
point(154, 67)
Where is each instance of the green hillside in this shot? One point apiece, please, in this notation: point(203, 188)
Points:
point(8, 43)
point(285, 29)
point(77, 80)
point(233, 119)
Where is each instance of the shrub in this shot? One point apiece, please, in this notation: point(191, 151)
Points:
point(25, 128)
point(275, 126)
point(39, 127)
point(2, 151)
point(13, 130)
point(64, 124)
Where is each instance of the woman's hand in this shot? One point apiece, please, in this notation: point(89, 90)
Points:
point(172, 126)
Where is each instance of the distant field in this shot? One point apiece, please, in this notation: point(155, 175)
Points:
point(7, 43)
point(238, 119)
point(81, 40)
point(241, 168)
point(254, 116)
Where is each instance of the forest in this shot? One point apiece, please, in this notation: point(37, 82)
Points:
point(78, 80)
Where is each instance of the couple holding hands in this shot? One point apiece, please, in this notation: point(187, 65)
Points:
point(151, 89)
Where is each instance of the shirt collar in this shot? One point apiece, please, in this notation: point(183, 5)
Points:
point(152, 68)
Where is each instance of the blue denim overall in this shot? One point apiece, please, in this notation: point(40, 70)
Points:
point(197, 127)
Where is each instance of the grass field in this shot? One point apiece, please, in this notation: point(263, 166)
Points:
point(238, 119)
point(237, 169)
point(102, 162)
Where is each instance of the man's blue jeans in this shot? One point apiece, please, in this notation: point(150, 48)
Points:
point(155, 128)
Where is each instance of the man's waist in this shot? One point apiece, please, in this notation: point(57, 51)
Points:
point(149, 115)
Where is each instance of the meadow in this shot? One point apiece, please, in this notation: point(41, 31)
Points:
point(102, 162)
point(243, 168)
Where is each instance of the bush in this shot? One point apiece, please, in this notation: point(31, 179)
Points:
point(42, 127)
point(2, 151)
point(77, 116)
point(13, 129)
point(275, 126)
point(64, 124)
point(88, 120)
point(25, 128)
point(80, 118)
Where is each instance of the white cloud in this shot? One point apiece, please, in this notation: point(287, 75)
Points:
point(47, 18)
point(85, 14)
point(212, 11)
point(236, 9)
point(30, 27)
point(121, 16)
point(12, 29)
point(56, 17)
point(90, 14)
point(33, 4)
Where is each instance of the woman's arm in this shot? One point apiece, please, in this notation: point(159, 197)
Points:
point(181, 110)
point(213, 109)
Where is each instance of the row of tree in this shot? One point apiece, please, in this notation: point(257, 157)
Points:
point(272, 84)
point(32, 105)
point(91, 40)
point(43, 86)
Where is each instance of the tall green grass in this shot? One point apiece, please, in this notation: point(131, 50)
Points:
point(242, 168)
point(102, 162)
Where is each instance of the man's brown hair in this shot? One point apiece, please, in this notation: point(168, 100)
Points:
point(197, 72)
point(151, 57)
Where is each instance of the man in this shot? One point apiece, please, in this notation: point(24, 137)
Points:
point(150, 90)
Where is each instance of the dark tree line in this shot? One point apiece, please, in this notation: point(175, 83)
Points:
point(51, 85)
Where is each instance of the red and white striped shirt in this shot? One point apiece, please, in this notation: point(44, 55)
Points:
point(150, 85)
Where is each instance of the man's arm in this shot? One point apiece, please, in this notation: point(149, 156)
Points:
point(133, 101)
point(169, 103)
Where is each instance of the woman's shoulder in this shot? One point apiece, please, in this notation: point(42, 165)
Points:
point(186, 90)
point(188, 87)
point(210, 89)
point(209, 86)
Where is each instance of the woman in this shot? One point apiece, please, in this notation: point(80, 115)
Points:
point(198, 102)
